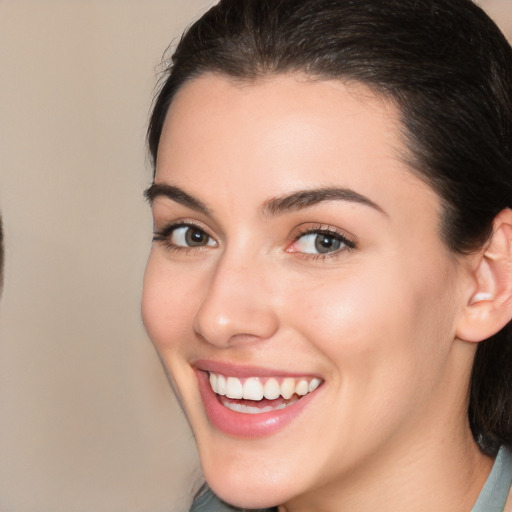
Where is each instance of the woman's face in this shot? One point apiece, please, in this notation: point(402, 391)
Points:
point(297, 257)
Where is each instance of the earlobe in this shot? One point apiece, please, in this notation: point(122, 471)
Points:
point(489, 308)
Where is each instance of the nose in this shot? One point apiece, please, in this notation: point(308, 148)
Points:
point(237, 306)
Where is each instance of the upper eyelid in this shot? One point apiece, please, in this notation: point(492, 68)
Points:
point(170, 226)
point(325, 228)
point(163, 210)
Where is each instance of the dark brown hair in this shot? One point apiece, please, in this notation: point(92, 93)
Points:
point(446, 66)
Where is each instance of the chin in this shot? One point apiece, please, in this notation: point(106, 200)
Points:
point(251, 495)
point(248, 485)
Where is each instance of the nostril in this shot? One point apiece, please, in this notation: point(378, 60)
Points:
point(239, 323)
point(235, 307)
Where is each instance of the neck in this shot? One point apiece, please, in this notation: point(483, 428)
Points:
point(443, 476)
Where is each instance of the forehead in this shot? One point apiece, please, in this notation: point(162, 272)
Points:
point(294, 102)
point(281, 133)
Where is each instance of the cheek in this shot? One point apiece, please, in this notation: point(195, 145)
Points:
point(350, 315)
point(168, 304)
point(384, 334)
point(168, 308)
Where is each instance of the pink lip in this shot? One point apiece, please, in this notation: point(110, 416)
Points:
point(242, 371)
point(243, 425)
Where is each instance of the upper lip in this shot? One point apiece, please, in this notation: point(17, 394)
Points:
point(246, 371)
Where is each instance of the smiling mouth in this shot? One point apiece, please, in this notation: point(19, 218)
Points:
point(257, 395)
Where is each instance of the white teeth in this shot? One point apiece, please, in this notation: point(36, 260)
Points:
point(302, 388)
point(288, 388)
point(255, 388)
point(272, 389)
point(233, 388)
point(213, 381)
point(314, 384)
point(249, 409)
point(221, 385)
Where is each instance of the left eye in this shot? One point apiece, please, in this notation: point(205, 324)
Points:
point(320, 243)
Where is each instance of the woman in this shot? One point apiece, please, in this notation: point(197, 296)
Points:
point(330, 284)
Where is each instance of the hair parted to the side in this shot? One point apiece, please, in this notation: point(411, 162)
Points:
point(448, 69)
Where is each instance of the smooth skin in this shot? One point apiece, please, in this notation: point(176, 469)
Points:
point(383, 311)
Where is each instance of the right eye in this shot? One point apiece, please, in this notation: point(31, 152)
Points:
point(184, 236)
point(190, 236)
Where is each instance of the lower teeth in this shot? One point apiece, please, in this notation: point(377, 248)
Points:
point(250, 409)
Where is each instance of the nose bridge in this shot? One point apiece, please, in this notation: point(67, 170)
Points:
point(237, 305)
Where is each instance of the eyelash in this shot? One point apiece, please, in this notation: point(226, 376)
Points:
point(164, 237)
point(349, 244)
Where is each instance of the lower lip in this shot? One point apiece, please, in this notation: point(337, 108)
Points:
point(247, 425)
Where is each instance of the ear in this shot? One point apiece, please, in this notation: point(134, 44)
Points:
point(489, 307)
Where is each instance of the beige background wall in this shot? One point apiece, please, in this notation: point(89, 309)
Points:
point(87, 422)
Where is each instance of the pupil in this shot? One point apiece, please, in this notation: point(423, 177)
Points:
point(195, 237)
point(326, 243)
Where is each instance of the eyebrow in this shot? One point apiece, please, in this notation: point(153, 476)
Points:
point(175, 194)
point(299, 200)
point(303, 199)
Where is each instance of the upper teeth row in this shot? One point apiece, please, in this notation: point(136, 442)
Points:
point(254, 388)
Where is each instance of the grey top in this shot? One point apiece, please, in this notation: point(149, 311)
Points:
point(492, 498)
point(495, 491)
point(208, 502)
